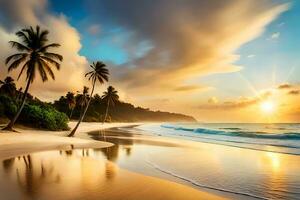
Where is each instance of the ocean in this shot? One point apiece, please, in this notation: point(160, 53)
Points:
point(256, 161)
point(279, 137)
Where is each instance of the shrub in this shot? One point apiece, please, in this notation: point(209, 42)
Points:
point(44, 117)
point(8, 106)
point(34, 114)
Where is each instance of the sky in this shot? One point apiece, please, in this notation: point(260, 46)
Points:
point(219, 61)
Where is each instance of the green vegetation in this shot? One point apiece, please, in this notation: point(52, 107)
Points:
point(33, 56)
point(34, 114)
point(110, 97)
point(119, 112)
point(99, 73)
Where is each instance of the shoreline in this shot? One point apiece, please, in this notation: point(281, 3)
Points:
point(33, 141)
point(27, 140)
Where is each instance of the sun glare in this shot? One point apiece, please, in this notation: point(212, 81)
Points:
point(267, 107)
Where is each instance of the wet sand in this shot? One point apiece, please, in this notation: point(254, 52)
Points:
point(32, 140)
point(67, 172)
point(232, 172)
point(84, 174)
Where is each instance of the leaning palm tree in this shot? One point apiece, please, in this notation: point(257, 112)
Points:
point(33, 57)
point(99, 73)
point(71, 102)
point(110, 97)
point(8, 86)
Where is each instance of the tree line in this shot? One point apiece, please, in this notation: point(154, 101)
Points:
point(34, 58)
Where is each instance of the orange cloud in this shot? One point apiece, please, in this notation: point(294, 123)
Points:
point(284, 86)
point(294, 92)
point(31, 12)
point(187, 88)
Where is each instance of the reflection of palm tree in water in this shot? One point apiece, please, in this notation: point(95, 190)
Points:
point(110, 170)
point(8, 164)
point(31, 180)
point(112, 153)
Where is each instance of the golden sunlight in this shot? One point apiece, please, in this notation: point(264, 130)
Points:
point(267, 107)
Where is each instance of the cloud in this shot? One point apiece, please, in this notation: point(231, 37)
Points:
point(241, 102)
point(274, 36)
point(94, 29)
point(284, 86)
point(20, 14)
point(187, 39)
point(251, 56)
point(213, 100)
point(187, 88)
point(294, 92)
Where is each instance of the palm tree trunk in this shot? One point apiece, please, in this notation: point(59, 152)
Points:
point(106, 112)
point(12, 122)
point(83, 114)
point(71, 113)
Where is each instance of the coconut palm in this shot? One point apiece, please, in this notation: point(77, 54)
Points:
point(99, 73)
point(33, 57)
point(82, 99)
point(8, 86)
point(110, 97)
point(71, 102)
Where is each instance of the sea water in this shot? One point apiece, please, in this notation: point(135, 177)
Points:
point(279, 137)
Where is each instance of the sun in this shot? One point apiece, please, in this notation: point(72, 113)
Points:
point(267, 107)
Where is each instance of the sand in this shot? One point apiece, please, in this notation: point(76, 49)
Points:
point(127, 185)
point(32, 140)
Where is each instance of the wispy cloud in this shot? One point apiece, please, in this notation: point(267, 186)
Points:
point(189, 48)
point(285, 86)
point(213, 100)
point(187, 88)
point(94, 29)
point(294, 92)
point(241, 102)
point(274, 36)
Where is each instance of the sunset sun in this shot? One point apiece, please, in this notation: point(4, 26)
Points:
point(267, 107)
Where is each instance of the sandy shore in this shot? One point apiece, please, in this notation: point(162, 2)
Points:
point(31, 140)
point(125, 185)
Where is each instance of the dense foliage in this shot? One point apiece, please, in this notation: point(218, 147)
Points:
point(34, 114)
point(119, 112)
point(54, 116)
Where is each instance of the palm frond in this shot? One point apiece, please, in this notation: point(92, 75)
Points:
point(14, 57)
point(30, 73)
point(22, 35)
point(21, 72)
point(88, 73)
point(45, 48)
point(54, 56)
point(19, 46)
point(43, 35)
point(48, 69)
point(16, 63)
point(42, 71)
point(51, 61)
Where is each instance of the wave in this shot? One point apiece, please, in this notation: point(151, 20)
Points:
point(201, 185)
point(239, 133)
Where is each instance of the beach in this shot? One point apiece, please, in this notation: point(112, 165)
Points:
point(32, 160)
point(245, 166)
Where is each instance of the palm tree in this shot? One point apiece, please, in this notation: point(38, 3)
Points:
point(82, 99)
point(110, 97)
point(8, 86)
point(71, 102)
point(99, 73)
point(33, 56)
